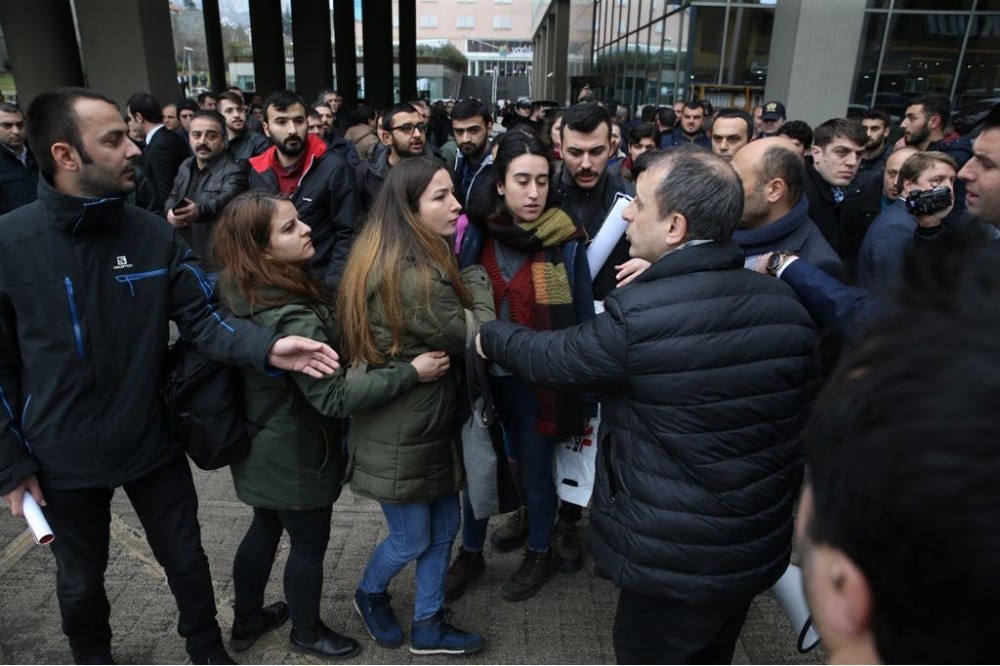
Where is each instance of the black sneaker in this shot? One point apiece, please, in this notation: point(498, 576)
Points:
point(536, 569)
point(463, 570)
point(513, 533)
point(248, 627)
point(566, 544)
point(217, 656)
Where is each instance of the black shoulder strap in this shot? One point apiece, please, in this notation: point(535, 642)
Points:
point(258, 423)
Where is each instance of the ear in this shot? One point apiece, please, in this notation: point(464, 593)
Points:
point(385, 138)
point(66, 156)
point(267, 130)
point(841, 594)
point(774, 190)
point(934, 122)
point(815, 151)
point(676, 229)
point(908, 186)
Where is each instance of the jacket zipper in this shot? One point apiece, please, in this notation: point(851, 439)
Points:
point(77, 330)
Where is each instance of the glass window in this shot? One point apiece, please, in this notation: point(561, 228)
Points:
point(879, 4)
point(749, 44)
point(869, 51)
point(978, 84)
point(951, 5)
point(707, 27)
point(427, 21)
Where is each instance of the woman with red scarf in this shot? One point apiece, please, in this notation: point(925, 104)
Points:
point(535, 256)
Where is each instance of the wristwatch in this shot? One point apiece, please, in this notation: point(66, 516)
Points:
point(776, 261)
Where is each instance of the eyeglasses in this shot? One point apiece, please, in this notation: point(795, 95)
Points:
point(409, 127)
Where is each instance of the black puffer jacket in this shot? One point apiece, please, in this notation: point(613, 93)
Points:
point(702, 368)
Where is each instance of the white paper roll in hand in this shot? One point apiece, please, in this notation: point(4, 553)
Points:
point(36, 521)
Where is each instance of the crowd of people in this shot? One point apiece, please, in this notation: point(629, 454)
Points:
point(780, 306)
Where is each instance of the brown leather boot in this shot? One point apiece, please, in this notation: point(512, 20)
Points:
point(536, 569)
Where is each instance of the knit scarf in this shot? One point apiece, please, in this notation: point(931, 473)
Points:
point(539, 296)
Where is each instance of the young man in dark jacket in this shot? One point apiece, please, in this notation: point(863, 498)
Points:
point(162, 155)
point(318, 181)
point(702, 366)
point(87, 286)
point(204, 185)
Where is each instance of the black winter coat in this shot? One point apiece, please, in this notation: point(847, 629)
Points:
point(86, 291)
point(18, 182)
point(702, 368)
point(843, 225)
point(161, 159)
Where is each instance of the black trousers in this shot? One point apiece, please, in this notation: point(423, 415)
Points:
point(309, 533)
point(167, 506)
point(656, 630)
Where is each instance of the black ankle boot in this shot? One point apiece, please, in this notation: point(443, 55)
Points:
point(248, 627)
point(322, 641)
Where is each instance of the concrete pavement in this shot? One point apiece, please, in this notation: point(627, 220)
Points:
point(569, 621)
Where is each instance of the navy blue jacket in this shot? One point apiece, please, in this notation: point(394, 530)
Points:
point(702, 368)
point(676, 138)
point(880, 258)
point(87, 288)
point(792, 232)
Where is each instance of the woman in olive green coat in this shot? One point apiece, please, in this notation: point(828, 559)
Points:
point(294, 470)
point(403, 294)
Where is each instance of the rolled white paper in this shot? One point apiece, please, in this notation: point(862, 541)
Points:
point(608, 235)
point(790, 596)
point(36, 521)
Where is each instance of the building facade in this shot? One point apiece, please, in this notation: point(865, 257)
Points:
point(819, 56)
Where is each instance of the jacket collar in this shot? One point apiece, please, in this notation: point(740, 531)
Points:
point(78, 214)
point(712, 256)
point(314, 150)
point(770, 233)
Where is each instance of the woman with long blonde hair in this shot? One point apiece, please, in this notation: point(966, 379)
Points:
point(292, 475)
point(403, 294)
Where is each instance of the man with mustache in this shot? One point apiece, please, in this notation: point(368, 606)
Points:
point(404, 134)
point(877, 149)
point(205, 183)
point(317, 180)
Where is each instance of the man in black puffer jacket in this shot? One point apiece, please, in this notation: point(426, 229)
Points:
point(702, 367)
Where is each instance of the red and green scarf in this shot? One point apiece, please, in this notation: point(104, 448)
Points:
point(539, 295)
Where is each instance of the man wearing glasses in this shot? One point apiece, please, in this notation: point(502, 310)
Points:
point(318, 181)
point(404, 134)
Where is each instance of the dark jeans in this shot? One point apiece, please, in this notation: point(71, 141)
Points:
point(167, 506)
point(657, 630)
point(534, 452)
point(309, 533)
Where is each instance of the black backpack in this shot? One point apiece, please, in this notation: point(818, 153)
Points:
point(205, 408)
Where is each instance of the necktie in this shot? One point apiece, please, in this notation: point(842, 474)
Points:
point(838, 195)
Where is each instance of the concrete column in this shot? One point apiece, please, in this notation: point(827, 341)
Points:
point(376, 31)
point(41, 44)
point(311, 47)
point(560, 82)
point(810, 67)
point(344, 49)
point(408, 50)
point(551, 56)
point(268, 46)
point(136, 56)
point(213, 44)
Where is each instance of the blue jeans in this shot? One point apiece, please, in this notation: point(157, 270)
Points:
point(423, 532)
point(534, 452)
